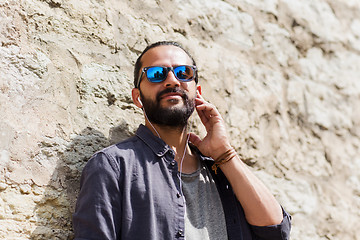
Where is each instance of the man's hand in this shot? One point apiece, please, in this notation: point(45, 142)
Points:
point(260, 206)
point(216, 142)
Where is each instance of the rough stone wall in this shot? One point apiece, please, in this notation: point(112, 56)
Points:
point(285, 74)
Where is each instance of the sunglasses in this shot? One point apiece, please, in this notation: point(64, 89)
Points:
point(157, 74)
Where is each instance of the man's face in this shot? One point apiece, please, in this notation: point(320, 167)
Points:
point(170, 102)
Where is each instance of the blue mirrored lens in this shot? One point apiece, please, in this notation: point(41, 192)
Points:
point(156, 74)
point(184, 73)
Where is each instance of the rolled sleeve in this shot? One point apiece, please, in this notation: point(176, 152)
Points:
point(274, 232)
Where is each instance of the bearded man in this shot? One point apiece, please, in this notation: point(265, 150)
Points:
point(167, 183)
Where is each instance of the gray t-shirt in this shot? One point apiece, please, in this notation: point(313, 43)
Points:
point(204, 217)
point(131, 191)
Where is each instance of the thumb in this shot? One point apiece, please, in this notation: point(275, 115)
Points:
point(194, 139)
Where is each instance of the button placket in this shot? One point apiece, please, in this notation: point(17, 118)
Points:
point(172, 154)
point(172, 159)
point(180, 233)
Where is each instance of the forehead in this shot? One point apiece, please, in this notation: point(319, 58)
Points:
point(165, 55)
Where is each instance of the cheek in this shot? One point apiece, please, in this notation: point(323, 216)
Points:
point(149, 90)
point(189, 86)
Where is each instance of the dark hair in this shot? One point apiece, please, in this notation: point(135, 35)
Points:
point(138, 63)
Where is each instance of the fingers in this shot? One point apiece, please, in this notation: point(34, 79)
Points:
point(204, 119)
point(205, 110)
point(194, 139)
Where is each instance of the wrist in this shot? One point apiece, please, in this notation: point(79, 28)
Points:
point(216, 155)
point(224, 158)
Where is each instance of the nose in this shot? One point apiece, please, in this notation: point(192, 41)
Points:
point(171, 80)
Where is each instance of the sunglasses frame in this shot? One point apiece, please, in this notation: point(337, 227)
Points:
point(168, 69)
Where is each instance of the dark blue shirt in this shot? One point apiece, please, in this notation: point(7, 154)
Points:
point(131, 190)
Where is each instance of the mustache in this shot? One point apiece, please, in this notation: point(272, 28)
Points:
point(172, 90)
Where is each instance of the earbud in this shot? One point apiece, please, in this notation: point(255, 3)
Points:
point(140, 101)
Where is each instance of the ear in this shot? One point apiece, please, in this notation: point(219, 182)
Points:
point(198, 89)
point(135, 94)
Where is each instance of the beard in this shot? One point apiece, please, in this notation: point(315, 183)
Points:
point(171, 116)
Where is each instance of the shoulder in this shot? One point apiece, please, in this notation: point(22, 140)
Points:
point(113, 158)
point(121, 148)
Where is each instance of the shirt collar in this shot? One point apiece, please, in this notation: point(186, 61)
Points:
point(157, 145)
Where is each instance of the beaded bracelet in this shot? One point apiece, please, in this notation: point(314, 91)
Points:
point(224, 158)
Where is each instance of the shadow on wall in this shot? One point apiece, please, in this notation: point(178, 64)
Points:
point(54, 211)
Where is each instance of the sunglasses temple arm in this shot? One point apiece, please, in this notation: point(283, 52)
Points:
point(138, 81)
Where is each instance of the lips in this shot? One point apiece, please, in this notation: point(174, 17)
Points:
point(171, 95)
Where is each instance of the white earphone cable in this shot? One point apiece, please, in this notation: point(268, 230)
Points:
point(150, 123)
point(181, 161)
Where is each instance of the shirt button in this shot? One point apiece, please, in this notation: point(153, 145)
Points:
point(178, 195)
point(172, 163)
point(181, 233)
